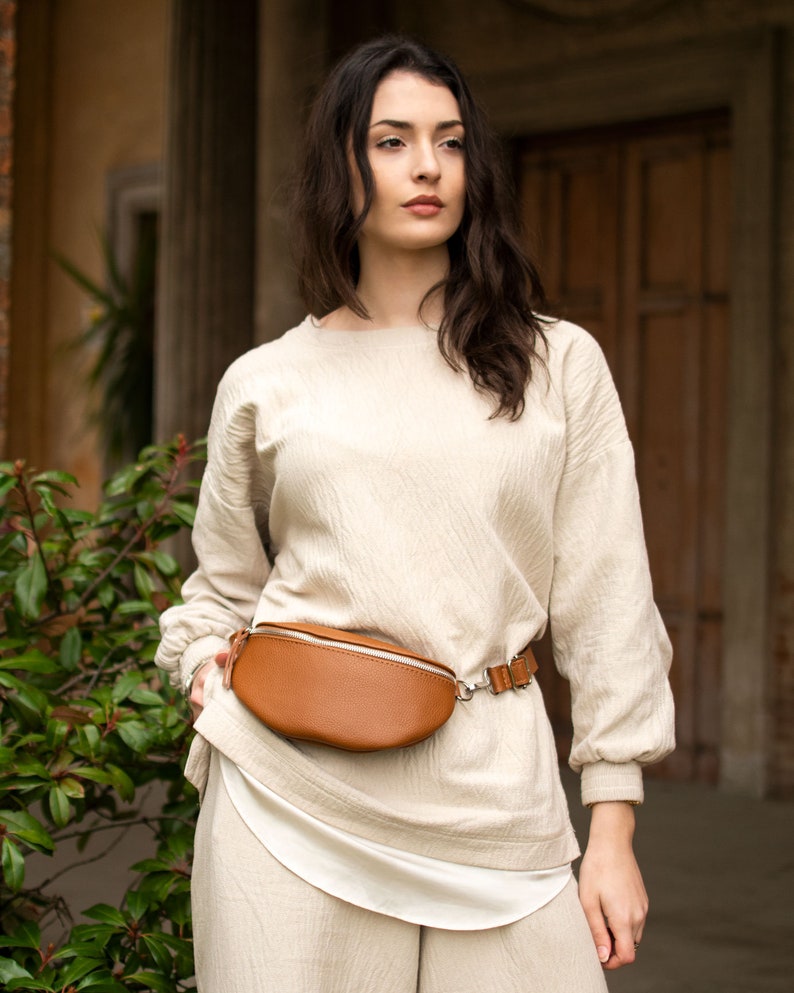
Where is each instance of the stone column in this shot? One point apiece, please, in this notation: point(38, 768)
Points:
point(206, 288)
point(293, 47)
point(7, 77)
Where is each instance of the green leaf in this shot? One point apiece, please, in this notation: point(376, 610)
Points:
point(102, 776)
point(32, 661)
point(146, 698)
point(31, 697)
point(106, 595)
point(86, 935)
point(92, 558)
point(57, 730)
point(143, 581)
point(107, 914)
point(54, 476)
point(137, 735)
point(124, 480)
point(29, 765)
point(7, 484)
point(123, 784)
point(72, 788)
point(166, 564)
point(90, 738)
point(102, 983)
point(27, 985)
point(144, 509)
point(76, 970)
point(137, 904)
point(10, 644)
point(71, 649)
point(9, 969)
point(184, 512)
point(151, 981)
point(13, 865)
point(125, 685)
point(60, 808)
point(150, 865)
point(48, 500)
point(31, 587)
point(25, 827)
point(158, 950)
point(25, 935)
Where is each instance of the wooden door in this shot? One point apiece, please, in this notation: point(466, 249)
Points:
point(632, 231)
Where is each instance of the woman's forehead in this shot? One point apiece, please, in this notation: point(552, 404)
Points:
point(403, 95)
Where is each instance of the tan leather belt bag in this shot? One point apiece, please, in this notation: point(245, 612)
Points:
point(341, 689)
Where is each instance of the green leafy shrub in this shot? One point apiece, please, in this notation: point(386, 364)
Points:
point(86, 724)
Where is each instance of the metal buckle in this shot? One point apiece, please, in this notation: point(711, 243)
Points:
point(517, 658)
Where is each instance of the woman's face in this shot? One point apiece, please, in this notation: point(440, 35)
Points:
point(415, 149)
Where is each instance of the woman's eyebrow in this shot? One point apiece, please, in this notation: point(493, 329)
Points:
point(406, 125)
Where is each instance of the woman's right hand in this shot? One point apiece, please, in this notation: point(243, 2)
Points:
point(196, 698)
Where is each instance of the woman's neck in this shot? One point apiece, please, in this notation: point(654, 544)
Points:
point(392, 287)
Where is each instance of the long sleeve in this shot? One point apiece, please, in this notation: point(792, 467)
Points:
point(609, 640)
point(229, 540)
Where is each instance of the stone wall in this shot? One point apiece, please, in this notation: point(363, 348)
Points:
point(90, 103)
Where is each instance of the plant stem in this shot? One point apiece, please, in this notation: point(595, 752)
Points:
point(23, 489)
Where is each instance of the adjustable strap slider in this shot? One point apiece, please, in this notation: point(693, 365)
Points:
point(513, 675)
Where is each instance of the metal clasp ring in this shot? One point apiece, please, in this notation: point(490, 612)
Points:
point(465, 690)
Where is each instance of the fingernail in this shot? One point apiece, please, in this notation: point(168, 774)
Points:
point(603, 953)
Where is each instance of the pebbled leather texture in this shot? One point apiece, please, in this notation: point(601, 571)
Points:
point(338, 697)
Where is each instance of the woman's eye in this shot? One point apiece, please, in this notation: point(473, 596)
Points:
point(455, 143)
point(389, 142)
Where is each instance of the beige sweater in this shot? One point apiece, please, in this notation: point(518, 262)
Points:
point(391, 504)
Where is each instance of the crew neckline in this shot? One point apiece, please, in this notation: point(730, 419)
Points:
point(397, 337)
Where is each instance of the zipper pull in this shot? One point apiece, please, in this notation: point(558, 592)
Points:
point(236, 644)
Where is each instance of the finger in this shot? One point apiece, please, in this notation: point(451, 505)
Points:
point(220, 658)
point(602, 937)
point(196, 701)
point(623, 952)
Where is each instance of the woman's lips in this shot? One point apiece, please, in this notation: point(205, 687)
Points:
point(424, 206)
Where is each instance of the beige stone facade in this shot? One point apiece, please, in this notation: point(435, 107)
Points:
point(92, 90)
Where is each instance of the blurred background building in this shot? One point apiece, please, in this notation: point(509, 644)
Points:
point(652, 143)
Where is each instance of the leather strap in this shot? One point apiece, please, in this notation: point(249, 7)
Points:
point(513, 675)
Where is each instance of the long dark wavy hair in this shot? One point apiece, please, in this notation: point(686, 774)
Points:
point(492, 293)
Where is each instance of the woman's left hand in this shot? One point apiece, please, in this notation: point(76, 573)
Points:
point(611, 889)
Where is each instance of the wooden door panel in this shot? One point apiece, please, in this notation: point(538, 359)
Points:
point(666, 452)
point(569, 198)
point(717, 221)
point(668, 212)
point(632, 230)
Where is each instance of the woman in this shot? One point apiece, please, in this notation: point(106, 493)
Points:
point(426, 462)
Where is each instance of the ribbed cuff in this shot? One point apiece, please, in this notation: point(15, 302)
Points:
point(197, 653)
point(602, 781)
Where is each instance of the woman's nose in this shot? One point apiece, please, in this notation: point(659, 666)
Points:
point(427, 167)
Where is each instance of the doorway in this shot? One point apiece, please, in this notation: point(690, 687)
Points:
point(631, 226)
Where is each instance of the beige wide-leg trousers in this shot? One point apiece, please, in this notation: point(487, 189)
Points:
point(259, 928)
